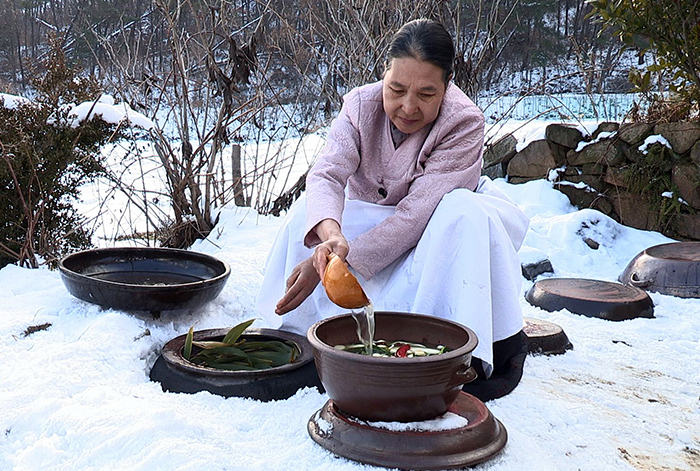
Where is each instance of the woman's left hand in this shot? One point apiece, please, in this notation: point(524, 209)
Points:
point(300, 284)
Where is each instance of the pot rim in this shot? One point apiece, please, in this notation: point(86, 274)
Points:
point(172, 353)
point(323, 347)
point(76, 275)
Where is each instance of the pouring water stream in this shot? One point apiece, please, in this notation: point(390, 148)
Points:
point(344, 290)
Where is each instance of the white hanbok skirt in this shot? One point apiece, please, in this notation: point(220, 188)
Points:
point(465, 267)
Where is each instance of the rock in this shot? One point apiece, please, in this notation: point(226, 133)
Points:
point(533, 270)
point(594, 181)
point(633, 133)
point(606, 126)
point(682, 136)
point(501, 151)
point(633, 154)
point(535, 161)
point(559, 152)
point(494, 171)
point(518, 180)
point(687, 178)
point(594, 169)
point(604, 205)
point(695, 153)
point(564, 134)
point(615, 176)
point(534, 262)
point(591, 243)
point(585, 197)
point(633, 210)
point(688, 226)
point(571, 171)
point(579, 195)
point(605, 151)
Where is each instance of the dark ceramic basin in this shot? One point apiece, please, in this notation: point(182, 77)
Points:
point(393, 389)
point(144, 279)
point(672, 269)
point(175, 374)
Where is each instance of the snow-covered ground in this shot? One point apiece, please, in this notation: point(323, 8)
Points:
point(77, 395)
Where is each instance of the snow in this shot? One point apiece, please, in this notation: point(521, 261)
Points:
point(77, 395)
point(669, 194)
point(601, 136)
point(12, 101)
point(110, 112)
point(654, 139)
point(104, 107)
point(447, 421)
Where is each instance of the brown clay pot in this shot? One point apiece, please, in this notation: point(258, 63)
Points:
point(393, 389)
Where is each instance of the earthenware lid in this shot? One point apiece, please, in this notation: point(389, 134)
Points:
point(544, 337)
point(592, 298)
point(139, 279)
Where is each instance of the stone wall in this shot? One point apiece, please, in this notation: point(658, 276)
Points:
point(594, 171)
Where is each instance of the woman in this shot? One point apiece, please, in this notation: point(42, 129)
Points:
point(397, 194)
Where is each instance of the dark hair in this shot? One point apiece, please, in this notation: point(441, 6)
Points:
point(425, 40)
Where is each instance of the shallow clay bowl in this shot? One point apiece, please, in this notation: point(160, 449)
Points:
point(143, 278)
point(393, 389)
point(672, 269)
point(175, 374)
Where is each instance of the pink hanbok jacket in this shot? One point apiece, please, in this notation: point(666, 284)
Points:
point(359, 154)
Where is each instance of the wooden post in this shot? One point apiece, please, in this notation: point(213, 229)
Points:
point(237, 178)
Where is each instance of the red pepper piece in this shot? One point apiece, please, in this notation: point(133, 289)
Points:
point(402, 352)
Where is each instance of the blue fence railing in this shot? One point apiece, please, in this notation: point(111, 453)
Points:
point(608, 107)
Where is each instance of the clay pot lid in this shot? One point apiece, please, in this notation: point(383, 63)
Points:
point(544, 337)
point(482, 438)
point(591, 298)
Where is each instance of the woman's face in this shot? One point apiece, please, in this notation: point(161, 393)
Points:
point(413, 91)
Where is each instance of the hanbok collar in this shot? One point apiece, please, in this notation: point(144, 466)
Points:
point(397, 136)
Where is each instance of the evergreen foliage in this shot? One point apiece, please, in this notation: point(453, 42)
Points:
point(43, 162)
point(650, 178)
point(671, 28)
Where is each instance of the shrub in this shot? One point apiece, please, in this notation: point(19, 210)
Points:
point(43, 162)
point(671, 28)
